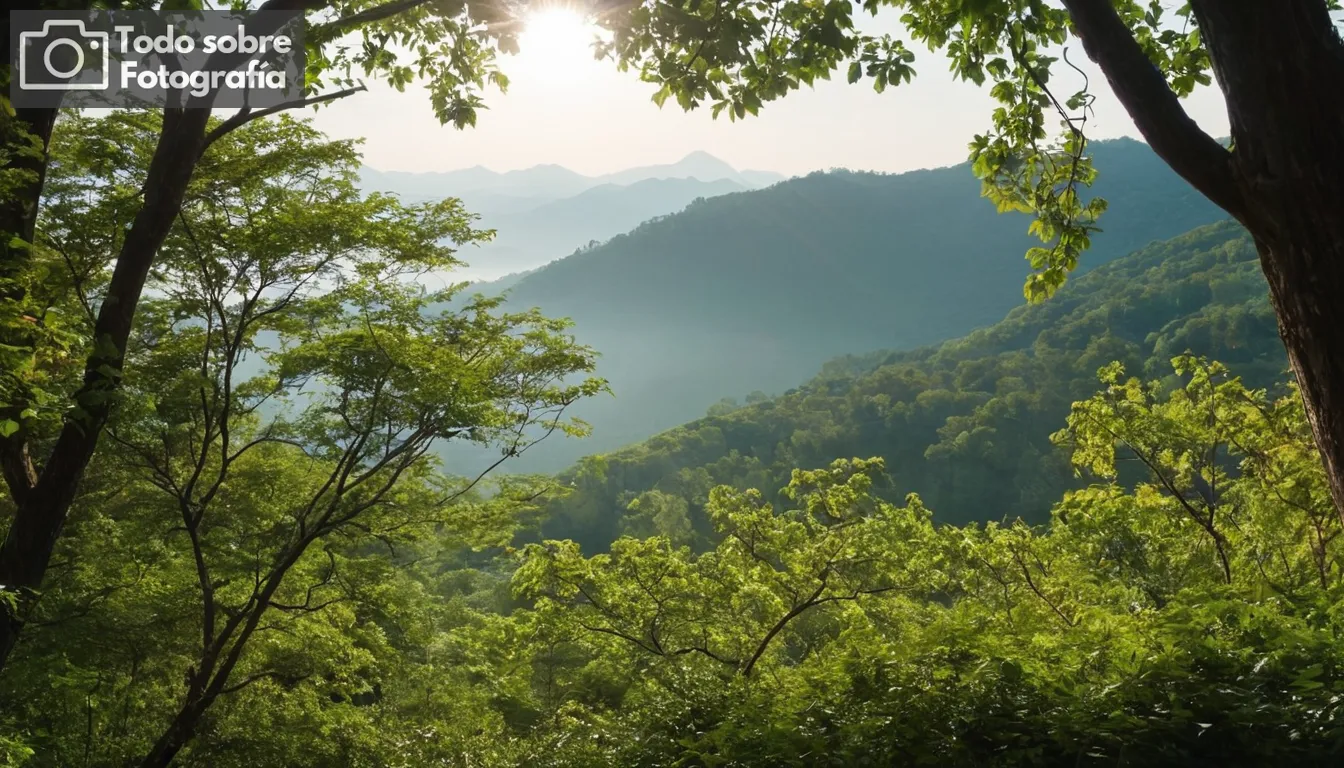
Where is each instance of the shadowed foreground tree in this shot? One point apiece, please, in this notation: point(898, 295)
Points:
point(1280, 67)
point(288, 379)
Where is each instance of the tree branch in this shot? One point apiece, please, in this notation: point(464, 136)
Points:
point(246, 115)
point(1155, 109)
point(283, 679)
point(793, 613)
point(337, 27)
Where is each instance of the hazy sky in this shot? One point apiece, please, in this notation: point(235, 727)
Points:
point(564, 108)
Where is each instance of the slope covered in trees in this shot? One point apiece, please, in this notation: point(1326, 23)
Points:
point(779, 280)
point(966, 423)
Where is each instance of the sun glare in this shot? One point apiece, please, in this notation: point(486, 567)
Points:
point(557, 39)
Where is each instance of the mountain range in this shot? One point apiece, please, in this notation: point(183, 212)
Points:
point(543, 213)
point(541, 183)
point(755, 290)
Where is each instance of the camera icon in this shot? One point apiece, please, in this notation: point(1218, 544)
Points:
point(64, 56)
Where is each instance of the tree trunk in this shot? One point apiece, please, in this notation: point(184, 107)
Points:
point(18, 219)
point(176, 737)
point(27, 127)
point(1280, 66)
point(43, 496)
point(18, 211)
point(23, 561)
point(41, 509)
point(1305, 268)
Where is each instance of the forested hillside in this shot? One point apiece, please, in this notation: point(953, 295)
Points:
point(779, 280)
point(966, 423)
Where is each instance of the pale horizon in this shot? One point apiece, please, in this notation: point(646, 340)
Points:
point(671, 161)
point(564, 108)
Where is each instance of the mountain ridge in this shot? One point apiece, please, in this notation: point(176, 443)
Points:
point(545, 212)
point(966, 422)
point(551, 180)
point(530, 239)
point(780, 280)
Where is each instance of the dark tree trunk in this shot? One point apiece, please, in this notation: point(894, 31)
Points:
point(182, 730)
point(18, 219)
point(1280, 66)
point(42, 495)
point(41, 509)
point(28, 129)
point(32, 128)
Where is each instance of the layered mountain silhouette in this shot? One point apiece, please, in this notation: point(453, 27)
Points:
point(543, 213)
point(541, 183)
point(527, 239)
point(755, 290)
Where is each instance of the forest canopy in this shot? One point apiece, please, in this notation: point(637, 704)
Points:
point(1187, 619)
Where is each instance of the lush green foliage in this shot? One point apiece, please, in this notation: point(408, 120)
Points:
point(265, 564)
point(1190, 620)
point(266, 567)
point(447, 48)
point(227, 544)
point(966, 423)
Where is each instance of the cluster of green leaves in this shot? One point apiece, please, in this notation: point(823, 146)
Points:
point(966, 423)
point(449, 46)
point(731, 604)
point(446, 45)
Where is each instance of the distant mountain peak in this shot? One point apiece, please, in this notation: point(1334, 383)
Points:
point(701, 155)
point(702, 159)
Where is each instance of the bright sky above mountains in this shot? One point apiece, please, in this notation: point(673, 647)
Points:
point(564, 108)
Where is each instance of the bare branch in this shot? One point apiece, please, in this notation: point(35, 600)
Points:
point(247, 115)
